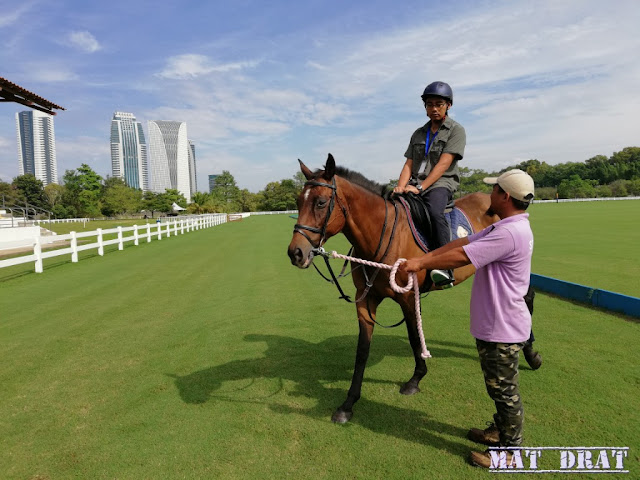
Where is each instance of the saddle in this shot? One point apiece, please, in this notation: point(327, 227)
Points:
point(420, 222)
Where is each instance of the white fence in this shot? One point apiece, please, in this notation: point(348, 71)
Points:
point(144, 233)
point(563, 200)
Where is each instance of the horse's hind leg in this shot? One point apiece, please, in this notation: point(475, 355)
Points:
point(345, 411)
point(412, 386)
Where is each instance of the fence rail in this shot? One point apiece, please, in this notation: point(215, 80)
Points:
point(597, 199)
point(140, 233)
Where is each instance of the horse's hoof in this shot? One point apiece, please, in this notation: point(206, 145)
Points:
point(409, 389)
point(340, 416)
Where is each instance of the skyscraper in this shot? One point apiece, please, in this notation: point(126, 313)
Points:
point(169, 154)
point(212, 182)
point(129, 151)
point(37, 146)
point(193, 178)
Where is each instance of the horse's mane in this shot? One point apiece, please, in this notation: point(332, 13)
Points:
point(358, 179)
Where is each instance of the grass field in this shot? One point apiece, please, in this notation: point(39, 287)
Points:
point(209, 356)
point(590, 243)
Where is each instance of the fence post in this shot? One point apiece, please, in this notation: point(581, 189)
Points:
point(74, 247)
point(100, 244)
point(182, 226)
point(135, 235)
point(175, 227)
point(159, 231)
point(37, 251)
point(148, 233)
point(168, 229)
point(120, 243)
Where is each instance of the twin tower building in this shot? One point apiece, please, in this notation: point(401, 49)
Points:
point(167, 160)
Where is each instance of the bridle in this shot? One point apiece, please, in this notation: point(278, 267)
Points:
point(319, 250)
point(300, 228)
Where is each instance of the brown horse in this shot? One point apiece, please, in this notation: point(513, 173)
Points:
point(337, 200)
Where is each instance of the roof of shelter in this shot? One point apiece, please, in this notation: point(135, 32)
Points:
point(10, 92)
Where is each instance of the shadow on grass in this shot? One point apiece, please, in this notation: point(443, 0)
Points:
point(312, 367)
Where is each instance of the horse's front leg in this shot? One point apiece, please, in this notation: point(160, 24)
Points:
point(409, 311)
point(345, 411)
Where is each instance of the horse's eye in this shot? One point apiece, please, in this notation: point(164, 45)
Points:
point(321, 203)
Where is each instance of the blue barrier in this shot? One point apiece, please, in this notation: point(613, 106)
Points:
point(593, 296)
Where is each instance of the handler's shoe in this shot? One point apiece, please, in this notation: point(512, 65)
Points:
point(532, 357)
point(489, 436)
point(483, 459)
point(442, 278)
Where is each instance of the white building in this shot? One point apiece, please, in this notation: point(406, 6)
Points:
point(193, 178)
point(129, 151)
point(37, 146)
point(169, 154)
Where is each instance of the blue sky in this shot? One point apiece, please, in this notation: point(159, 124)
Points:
point(261, 84)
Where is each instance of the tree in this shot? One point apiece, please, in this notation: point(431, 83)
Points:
point(154, 202)
point(8, 194)
point(247, 201)
point(226, 191)
point(576, 187)
point(171, 196)
point(53, 193)
point(198, 203)
point(31, 190)
point(119, 198)
point(278, 196)
point(83, 191)
point(299, 180)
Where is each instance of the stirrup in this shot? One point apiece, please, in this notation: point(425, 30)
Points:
point(442, 279)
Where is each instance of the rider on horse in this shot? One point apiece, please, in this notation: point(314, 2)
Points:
point(431, 168)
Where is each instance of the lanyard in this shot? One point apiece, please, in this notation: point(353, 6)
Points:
point(429, 141)
point(427, 146)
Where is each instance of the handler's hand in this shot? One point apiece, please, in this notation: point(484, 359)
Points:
point(410, 266)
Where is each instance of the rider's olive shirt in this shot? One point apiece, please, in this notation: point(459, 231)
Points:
point(451, 138)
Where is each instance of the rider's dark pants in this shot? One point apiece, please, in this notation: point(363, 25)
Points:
point(437, 200)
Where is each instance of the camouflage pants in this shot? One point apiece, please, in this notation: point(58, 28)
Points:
point(499, 362)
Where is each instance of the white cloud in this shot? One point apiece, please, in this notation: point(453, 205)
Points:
point(191, 65)
point(84, 41)
point(9, 17)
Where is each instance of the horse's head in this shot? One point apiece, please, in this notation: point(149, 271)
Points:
point(318, 220)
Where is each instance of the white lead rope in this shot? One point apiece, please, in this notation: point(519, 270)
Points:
point(411, 284)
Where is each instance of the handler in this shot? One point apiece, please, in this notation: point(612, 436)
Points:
point(500, 319)
point(431, 166)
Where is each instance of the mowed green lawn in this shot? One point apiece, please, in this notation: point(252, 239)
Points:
point(590, 243)
point(209, 356)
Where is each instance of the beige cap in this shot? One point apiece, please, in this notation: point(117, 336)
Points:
point(516, 183)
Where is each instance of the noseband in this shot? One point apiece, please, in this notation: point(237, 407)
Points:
point(299, 228)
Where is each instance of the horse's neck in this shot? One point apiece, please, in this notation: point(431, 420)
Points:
point(365, 219)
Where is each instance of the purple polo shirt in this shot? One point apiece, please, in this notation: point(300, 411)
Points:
point(501, 254)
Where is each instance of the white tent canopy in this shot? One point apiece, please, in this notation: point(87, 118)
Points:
point(176, 208)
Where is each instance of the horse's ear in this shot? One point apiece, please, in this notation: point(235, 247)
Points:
point(305, 170)
point(329, 168)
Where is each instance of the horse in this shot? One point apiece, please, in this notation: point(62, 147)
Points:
point(337, 200)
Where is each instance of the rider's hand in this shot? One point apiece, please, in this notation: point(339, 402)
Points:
point(399, 189)
point(412, 189)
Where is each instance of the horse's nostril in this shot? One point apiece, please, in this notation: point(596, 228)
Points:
point(295, 255)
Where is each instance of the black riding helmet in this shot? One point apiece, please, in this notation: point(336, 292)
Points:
point(438, 89)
